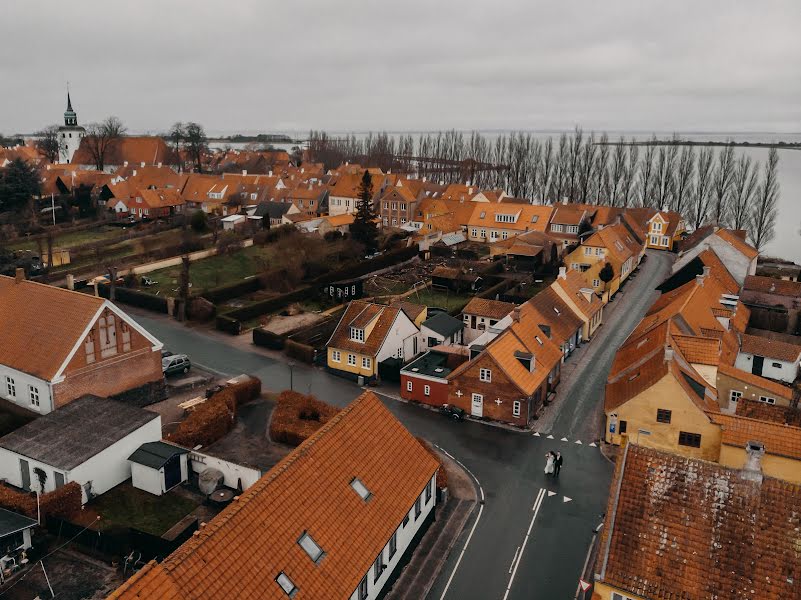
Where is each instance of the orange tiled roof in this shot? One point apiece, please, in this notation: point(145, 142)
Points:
point(549, 309)
point(32, 311)
point(566, 214)
point(359, 314)
point(762, 411)
point(781, 440)
point(529, 217)
point(150, 150)
point(771, 285)
point(243, 549)
point(727, 235)
point(696, 349)
point(780, 390)
point(719, 271)
point(764, 346)
point(678, 527)
point(573, 283)
point(493, 309)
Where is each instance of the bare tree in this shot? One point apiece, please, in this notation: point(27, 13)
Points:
point(49, 143)
point(177, 136)
point(683, 180)
point(587, 166)
point(561, 169)
point(722, 183)
point(743, 187)
point(630, 174)
point(617, 172)
point(602, 178)
point(665, 174)
point(702, 189)
point(546, 170)
point(646, 183)
point(196, 144)
point(763, 213)
point(100, 137)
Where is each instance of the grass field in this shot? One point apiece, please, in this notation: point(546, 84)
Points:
point(69, 240)
point(450, 301)
point(127, 506)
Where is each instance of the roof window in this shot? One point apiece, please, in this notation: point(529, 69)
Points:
point(286, 584)
point(556, 310)
point(360, 489)
point(311, 547)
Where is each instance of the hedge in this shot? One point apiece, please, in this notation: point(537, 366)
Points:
point(297, 416)
point(270, 304)
point(214, 418)
point(302, 352)
point(364, 267)
point(65, 502)
point(224, 293)
point(228, 325)
point(135, 298)
point(268, 339)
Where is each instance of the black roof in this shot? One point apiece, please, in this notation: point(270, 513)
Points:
point(444, 324)
point(155, 454)
point(72, 434)
point(11, 522)
point(432, 363)
point(275, 210)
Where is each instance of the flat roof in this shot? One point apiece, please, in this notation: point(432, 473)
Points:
point(71, 435)
point(432, 364)
point(11, 522)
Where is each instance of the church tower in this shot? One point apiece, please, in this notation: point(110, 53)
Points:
point(70, 134)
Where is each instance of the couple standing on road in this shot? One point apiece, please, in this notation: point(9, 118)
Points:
point(553, 463)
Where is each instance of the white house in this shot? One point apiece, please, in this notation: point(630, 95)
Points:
point(442, 329)
point(15, 534)
point(480, 313)
point(771, 358)
point(739, 258)
point(157, 467)
point(334, 519)
point(88, 442)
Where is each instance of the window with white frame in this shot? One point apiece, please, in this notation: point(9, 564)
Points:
point(587, 251)
point(656, 226)
point(572, 229)
point(599, 252)
point(557, 228)
point(504, 218)
point(493, 235)
point(474, 232)
point(428, 491)
point(485, 375)
point(483, 233)
point(11, 387)
point(426, 390)
point(664, 240)
point(516, 408)
point(352, 360)
point(409, 385)
point(336, 356)
point(735, 395)
point(504, 234)
point(356, 334)
point(767, 400)
point(655, 240)
point(33, 394)
point(366, 362)
point(363, 593)
point(108, 335)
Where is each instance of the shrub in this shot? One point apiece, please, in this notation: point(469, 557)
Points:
point(299, 351)
point(297, 416)
point(229, 242)
point(198, 221)
point(63, 502)
point(268, 339)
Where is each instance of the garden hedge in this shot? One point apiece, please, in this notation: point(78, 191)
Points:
point(297, 416)
point(268, 339)
point(299, 351)
point(224, 293)
point(442, 476)
point(65, 502)
point(135, 298)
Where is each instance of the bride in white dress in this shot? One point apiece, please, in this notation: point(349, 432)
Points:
point(549, 463)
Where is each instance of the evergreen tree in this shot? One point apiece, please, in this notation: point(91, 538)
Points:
point(19, 183)
point(364, 228)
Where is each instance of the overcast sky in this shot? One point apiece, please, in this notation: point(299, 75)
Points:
point(253, 65)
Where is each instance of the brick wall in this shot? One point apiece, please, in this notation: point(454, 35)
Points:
point(438, 391)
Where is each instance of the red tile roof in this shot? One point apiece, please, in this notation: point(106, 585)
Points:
point(150, 150)
point(771, 285)
point(359, 314)
point(781, 440)
point(764, 346)
point(242, 550)
point(678, 527)
point(736, 241)
point(493, 309)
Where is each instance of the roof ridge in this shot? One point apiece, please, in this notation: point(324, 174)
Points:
point(53, 287)
point(752, 419)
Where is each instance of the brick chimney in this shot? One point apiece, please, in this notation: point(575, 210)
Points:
point(752, 470)
point(516, 314)
point(19, 275)
point(668, 354)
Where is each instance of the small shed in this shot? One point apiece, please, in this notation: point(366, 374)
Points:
point(15, 532)
point(442, 329)
point(234, 222)
point(157, 467)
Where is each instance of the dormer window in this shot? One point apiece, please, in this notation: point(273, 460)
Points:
point(360, 489)
point(356, 334)
point(505, 218)
point(311, 547)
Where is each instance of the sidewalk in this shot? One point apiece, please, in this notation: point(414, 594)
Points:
point(428, 559)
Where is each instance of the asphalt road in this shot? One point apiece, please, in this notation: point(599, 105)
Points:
point(531, 536)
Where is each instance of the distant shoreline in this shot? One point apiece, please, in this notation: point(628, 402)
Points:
point(778, 145)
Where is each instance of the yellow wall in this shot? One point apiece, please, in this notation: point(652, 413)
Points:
point(780, 467)
point(605, 592)
point(596, 264)
point(640, 413)
point(343, 365)
point(589, 326)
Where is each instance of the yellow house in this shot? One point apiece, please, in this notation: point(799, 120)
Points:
point(664, 229)
point(614, 245)
point(655, 398)
point(572, 289)
point(367, 334)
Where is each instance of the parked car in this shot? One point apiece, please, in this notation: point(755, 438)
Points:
point(454, 412)
point(177, 363)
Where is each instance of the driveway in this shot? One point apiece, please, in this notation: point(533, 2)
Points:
point(530, 538)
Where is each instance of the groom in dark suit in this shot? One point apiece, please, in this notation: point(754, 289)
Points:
point(557, 464)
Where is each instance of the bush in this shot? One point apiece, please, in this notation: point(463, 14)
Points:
point(333, 235)
point(276, 233)
point(229, 242)
point(64, 502)
point(299, 351)
point(268, 339)
point(224, 293)
point(297, 416)
point(199, 222)
point(135, 298)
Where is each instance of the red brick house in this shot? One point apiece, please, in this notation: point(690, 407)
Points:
point(57, 345)
point(425, 379)
point(509, 379)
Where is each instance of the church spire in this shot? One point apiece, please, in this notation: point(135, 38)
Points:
point(70, 118)
point(69, 103)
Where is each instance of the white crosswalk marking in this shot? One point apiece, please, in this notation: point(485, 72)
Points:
point(564, 439)
point(550, 437)
point(593, 445)
point(578, 441)
point(536, 434)
point(566, 499)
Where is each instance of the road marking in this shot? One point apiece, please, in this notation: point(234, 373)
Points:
point(578, 441)
point(566, 499)
point(593, 445)
point(564, 439)
point(514, 558)
point(550, 437)
point(537, 505)
point(536, 434)
point(550, 493)
point(472, 530)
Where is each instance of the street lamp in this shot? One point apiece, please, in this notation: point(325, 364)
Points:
point(291, 376)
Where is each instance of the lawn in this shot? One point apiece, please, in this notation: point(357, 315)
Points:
point(69, 240)
point(126, 506)
point(215, 271)
point(450, 301)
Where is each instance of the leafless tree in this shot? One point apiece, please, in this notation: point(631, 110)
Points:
point(574, 165)
point(588, 163)
point(630, 176)
point(665, 174)
point(703, 187)
point(646, 183)
point(177, 136)
point(196, 144)
point(100, 137)
point(561, 170)
point(617, 172)
point(546, 171)
point(601, 188)
point(685, 170)
point(743, 187)
point(721, 185)
point(49, 143)
point(763, 213)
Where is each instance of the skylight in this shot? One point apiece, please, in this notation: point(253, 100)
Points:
point(286, 584)
point(310, 546)
point(360, 489)
point(556, 310)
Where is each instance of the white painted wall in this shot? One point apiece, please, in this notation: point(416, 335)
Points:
point(232, 472)
point(22, 397)
point(786, 371)
point(152, 480)
point(405, 535)
point(340, 205)
point(400, 336)
point(736, 263)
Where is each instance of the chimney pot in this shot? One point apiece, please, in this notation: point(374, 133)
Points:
point(699, 280)
point(19, 275)
point(707, 271)
point(159, 165)
point(125, 164)
point(516, 314)
point(668, 354)
point(142, 164)
point(562, 272)
point(244, 172)
point(752, 470)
